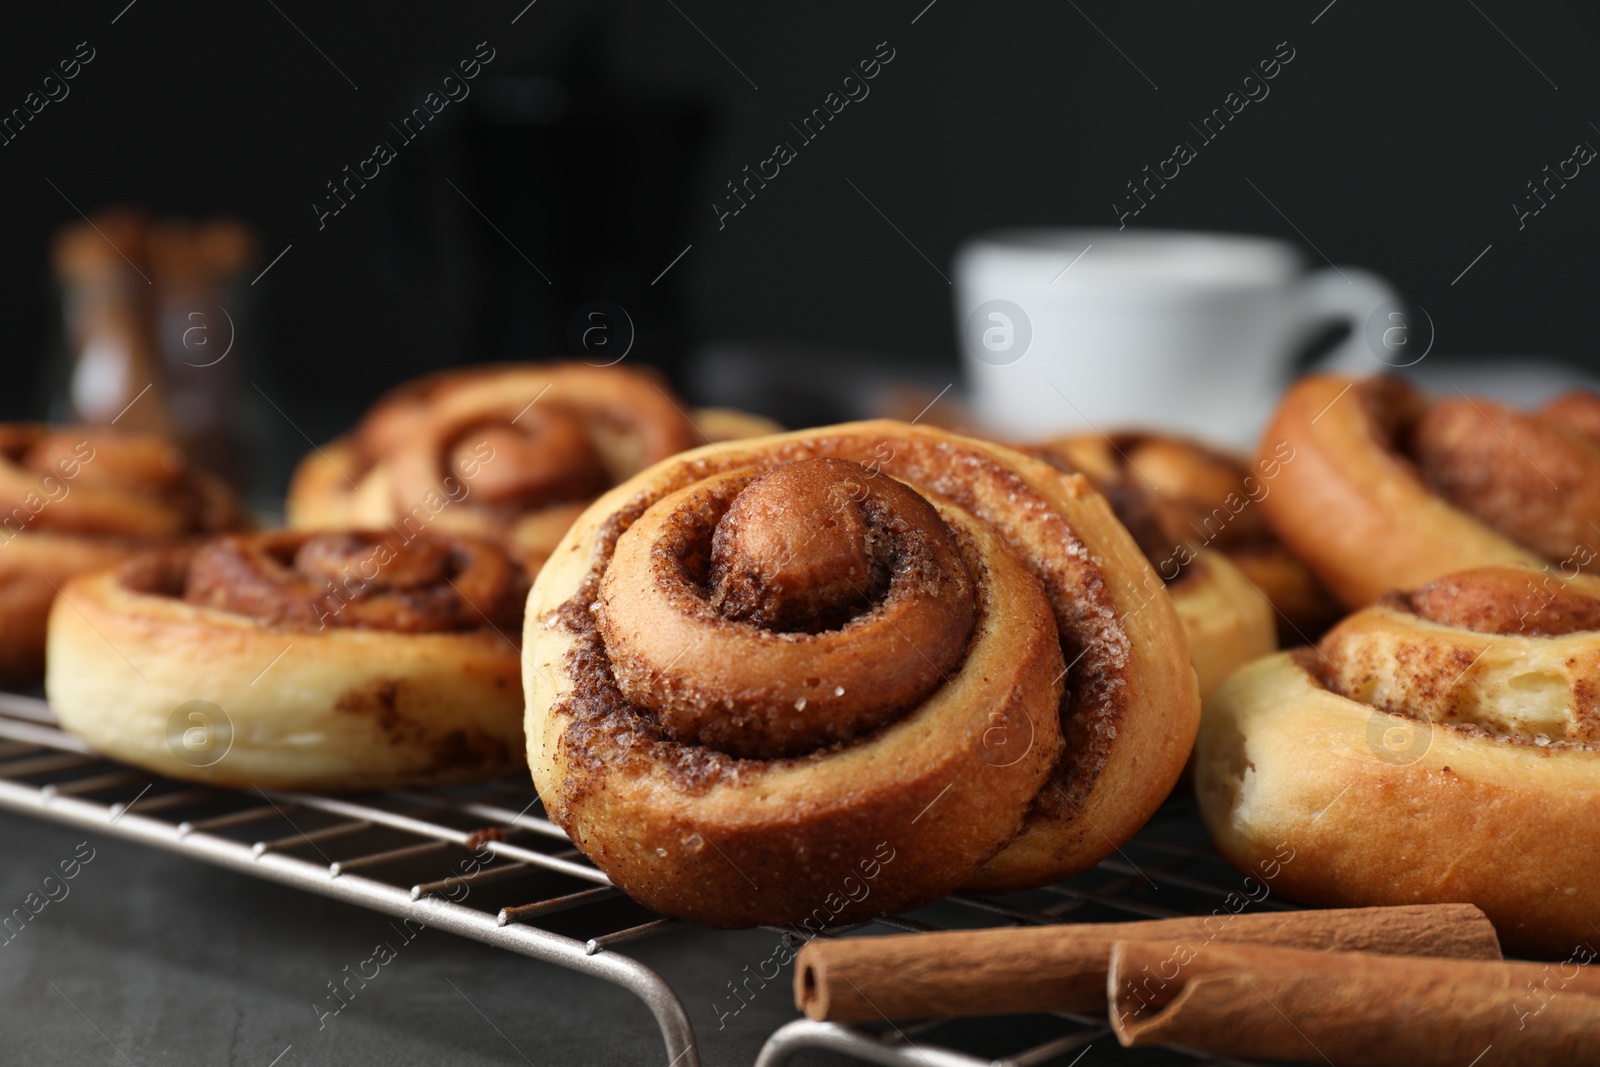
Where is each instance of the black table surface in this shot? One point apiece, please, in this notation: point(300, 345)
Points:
point(155, 958)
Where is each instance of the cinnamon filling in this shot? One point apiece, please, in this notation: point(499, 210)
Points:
point(1532, 476)
point(545, 457)
point(1503, 600)
point(1199, 492)
point(364, 580)
point(505, 463)
point(505, 442)
point(1578, 411)
point(1501, 662)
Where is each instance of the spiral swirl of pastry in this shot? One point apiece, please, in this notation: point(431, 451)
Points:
point(751, 667)
point(1391, 489)
point(74, 500)
point(1442, 744)
point(339, 660)
point(97, 483)
point(861, 577)
point(371, 580)
point(1510, 651)
point(513, 453)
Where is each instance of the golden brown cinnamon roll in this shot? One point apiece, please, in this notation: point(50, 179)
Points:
point(1391, 489)
point(337, 660)
point(827, 674)
point(1439, 745)
point(74, 500)
point(511, 452)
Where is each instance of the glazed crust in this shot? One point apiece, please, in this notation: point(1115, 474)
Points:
point(695, 832)
point(1416, 761)
point(596, 426)
point(343, 707)
point(1354, 508)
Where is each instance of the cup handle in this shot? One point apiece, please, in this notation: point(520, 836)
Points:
point(1351, 294)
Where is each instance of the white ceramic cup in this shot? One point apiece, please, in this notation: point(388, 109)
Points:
point(1109, 329)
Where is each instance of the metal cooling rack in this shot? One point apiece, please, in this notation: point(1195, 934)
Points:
point(538, 896)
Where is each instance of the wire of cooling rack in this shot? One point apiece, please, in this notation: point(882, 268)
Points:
point(223, 827)
point(545, 900)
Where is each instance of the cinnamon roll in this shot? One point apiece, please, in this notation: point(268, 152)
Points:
point(730, 424)
point(827, 674)
point(512, 452)
point(1391, 489)
point(1192, 511)
point(1439, 745)
point(74, 500)
point(338, 660)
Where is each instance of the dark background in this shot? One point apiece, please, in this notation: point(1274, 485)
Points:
point(596, 142)
point(599, 137)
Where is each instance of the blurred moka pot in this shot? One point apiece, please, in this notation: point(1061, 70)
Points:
point(109, 305)
point(151, 313)
point(202, 306)
point(1082, 329)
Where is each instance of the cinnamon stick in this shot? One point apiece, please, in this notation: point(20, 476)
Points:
point(1063, 968)
point(1354, 1009)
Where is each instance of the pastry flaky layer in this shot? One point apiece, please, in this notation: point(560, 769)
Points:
point(823, 675)
point(512, 452)
point(75, 500)
point(1442, 745)
point(294, 660)
point(1390, 489)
